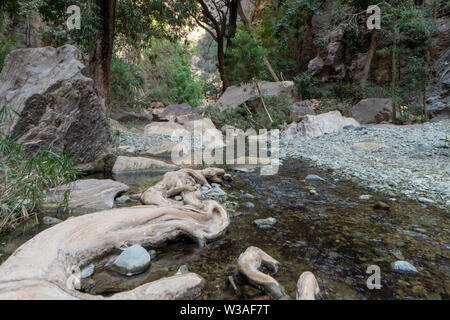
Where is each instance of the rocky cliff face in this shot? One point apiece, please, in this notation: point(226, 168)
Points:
point(58, 105)
point(342, 57)
point(26, 29)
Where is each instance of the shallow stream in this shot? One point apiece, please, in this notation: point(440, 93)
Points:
point(332, 233)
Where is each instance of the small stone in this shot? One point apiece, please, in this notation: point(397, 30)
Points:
point(381, 206)
point(249, 196)
point(365, 197)
point(425, 200)
point(87, 272)
point(49, 221)
point(182, 270)
point(398, 255)
point(178, 198)
point(313, 177)
point(152, 254)
point(313, 192)
point(265, 223)
point(404, 266)
point(334, 255)
point(133, 260)
point(123, 200)
point(249, 205)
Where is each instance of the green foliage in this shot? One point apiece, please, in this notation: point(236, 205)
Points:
point(54, 14)
point(305, 85)
point(127, 84)
point(23, 181)
point(415, 23)
point(245, 117)
point(206, 51)
point(170, 78)
point(245, 60)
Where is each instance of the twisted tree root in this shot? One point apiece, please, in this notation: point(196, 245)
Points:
point(41, 268)
point(249, 265)
point(307, 287)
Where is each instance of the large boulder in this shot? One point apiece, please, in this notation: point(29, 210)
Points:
point(132, 164)
point(58, 105)
point(88, 195)
point(180, 113)
point(372, 110)
point(314, 126)
point(301, 109)
point(165, 128)
point(126, 116)
point(234, 96)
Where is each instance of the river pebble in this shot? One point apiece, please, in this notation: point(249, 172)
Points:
point(413, 162)
point(133, 260)
point(404, 266)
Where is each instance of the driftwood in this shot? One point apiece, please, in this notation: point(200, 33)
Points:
point(42, 267)
point(307, 287)
point(249, 265)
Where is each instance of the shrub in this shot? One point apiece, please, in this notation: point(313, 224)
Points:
point(245, 117)
point(169, 75)
point(127, 84)
point(23, 181)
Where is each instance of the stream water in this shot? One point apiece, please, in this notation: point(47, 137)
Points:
point(332, 233)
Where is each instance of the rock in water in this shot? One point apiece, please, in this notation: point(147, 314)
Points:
point(49, 221)
point(381, 206)
point(127, 164)
point(58, 105)
point(265, 223)
point(426, 201)
point(404, 266)
point(313, 177)
point(85, 195)
point(123, 200)
point(132, 261)
point(87, 272)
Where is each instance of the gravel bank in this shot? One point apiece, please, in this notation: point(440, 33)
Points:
point(411, 160)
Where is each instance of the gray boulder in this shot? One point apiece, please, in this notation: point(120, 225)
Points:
point(58, 105)
point(372, 110)
point(85, 195)
point(133, 260)
point(234, 96)
point(180, 113)
point(301, 109)
point(133, 164)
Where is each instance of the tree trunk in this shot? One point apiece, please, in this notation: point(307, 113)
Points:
point(370, 54)
point(232, 25)
point(255, 81)
point(257, 38)
point(394, 78)
point(221, 63)
point(101, 55)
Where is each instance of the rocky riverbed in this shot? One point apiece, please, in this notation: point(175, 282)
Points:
point(410, 160)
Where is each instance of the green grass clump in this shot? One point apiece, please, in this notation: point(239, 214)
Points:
point(24, 180)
